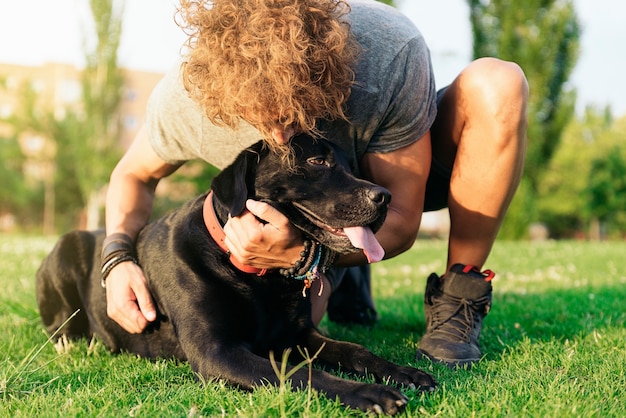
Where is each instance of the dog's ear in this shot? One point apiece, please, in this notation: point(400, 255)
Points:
point(235, 184)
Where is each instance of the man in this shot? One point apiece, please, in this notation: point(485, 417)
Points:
point(359, 75)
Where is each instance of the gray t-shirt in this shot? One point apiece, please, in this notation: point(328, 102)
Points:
point(392, 104)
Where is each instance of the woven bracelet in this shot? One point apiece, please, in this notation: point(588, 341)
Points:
point(314, 257)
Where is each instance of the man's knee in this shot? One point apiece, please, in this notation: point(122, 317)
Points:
point(495, 84)
point(485, 106)
point(496, 94)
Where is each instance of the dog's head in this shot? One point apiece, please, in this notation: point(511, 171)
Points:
point(317, 192)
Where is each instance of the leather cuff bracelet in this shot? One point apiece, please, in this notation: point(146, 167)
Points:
point(116, 249)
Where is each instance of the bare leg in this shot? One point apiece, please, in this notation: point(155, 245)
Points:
point(481, 132)
point(320, 292)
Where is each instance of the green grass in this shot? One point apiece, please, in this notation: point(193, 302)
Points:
point(554, 345)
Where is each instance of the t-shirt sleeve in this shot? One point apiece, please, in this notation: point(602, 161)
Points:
point(409, 101)
point(174, 121)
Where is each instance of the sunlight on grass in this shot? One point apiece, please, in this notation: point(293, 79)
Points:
point(554, 345)
point(16, 380)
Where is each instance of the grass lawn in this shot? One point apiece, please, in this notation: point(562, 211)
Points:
point(554, 345)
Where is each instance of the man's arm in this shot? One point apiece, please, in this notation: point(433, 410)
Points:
point(128, 208)
point(404, 173)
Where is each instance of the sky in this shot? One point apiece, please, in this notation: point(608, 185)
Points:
point(37, 31)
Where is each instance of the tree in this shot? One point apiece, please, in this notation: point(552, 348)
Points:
point(542, 36)
point(32, 146)
point(607, 189)
point(15, 195)
point(95, 143)
point(69, 134)
point(590, 144)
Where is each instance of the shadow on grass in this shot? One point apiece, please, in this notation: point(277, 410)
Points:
point(555, 314)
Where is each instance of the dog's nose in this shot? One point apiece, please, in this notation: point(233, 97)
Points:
point(379, 195)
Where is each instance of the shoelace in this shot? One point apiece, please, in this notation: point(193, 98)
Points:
point(468, 307)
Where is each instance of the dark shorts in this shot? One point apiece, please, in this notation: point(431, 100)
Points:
point(438, 184)
point(335, 275)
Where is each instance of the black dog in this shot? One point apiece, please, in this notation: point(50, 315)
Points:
point(225, 321)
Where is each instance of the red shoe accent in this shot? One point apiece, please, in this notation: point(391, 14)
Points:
point(487, 274)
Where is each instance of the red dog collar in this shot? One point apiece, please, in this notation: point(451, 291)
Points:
point(218, 235)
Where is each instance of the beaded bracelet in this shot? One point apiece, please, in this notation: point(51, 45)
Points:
point(314, 258)
point(311, 272)
point(301, 265)
point(116, 249)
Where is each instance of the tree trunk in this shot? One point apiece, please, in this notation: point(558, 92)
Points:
point(595, 230)
point(94, 205)
point(49, 198)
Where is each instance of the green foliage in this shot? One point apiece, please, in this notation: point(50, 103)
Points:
point(29, 115)
point(564, 200)
point(192, 179)
point(70, 199)
point(18, 197)
point(521, 213)
point(606, 189)
point(14, 193)
point(22, 197)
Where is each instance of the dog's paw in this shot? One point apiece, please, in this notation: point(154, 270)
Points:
point(380, 399)
point(412, 378)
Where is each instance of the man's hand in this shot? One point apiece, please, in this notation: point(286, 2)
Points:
point(273, 244)
point(128, 300)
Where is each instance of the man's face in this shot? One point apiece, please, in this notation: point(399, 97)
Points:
point(282, 135)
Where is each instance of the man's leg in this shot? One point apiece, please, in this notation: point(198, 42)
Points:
point(480, 132)
point(351, 301)
point(346, 294)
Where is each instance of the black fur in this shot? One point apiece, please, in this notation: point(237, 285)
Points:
point(223, 321)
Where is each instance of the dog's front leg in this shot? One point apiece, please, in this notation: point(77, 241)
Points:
point(239, 367)
point(358, 359)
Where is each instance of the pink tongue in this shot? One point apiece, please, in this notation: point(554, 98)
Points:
point(363, 238)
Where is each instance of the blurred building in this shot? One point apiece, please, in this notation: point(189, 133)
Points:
point(58, 88)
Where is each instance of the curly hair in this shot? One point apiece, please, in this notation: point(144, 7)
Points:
point(273, 63)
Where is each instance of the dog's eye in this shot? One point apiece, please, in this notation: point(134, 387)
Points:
point(317, 161)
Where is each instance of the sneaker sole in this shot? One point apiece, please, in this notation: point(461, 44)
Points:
point(451, 363)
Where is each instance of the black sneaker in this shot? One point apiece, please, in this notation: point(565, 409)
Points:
point(455, 307)
point(351, 302)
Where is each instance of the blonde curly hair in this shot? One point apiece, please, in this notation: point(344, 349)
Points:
point(274, 63)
